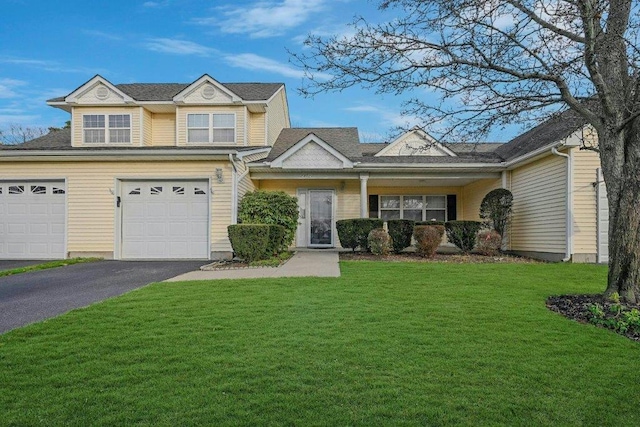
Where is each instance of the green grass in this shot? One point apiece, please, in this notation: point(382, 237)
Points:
point(47, 265)
point(385, 344)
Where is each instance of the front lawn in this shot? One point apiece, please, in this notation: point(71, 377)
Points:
point(385, 344)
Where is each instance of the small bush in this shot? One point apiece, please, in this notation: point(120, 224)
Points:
point(270, 207)
point(277, 239)
point(380, 242)
point(489, 242)
point(428, 238)
point(496, 209)
point(430, 223)
point(400, 231)
point(463, 234)
point(353, 233)
point(250, 242)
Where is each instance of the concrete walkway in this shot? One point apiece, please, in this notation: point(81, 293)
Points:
point(302, 264)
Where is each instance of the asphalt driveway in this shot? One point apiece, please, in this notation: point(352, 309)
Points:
point(38, 295)
point(11, 264)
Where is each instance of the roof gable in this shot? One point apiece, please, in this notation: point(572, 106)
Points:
point(98, 91)
point(312, 153)
point(206, 90)
point(415, 142)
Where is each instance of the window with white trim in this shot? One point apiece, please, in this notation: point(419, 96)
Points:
point(215, 128)
point(417, 208)
point(106, 128)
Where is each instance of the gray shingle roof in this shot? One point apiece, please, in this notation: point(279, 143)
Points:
point(166, 91)
point(553, 130)
point(344, 140)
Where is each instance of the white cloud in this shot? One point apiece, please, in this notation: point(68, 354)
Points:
point(156, 4)
point(8, 87)
point(178, 47)
point(103, 35)
point(8, 119)
point(264, 18)
point(251, 61)
point(52, 66)
point(386, 116)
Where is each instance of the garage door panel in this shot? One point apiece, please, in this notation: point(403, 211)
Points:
point(159, 219)
point(16, 208)
point(32, 220)
point(41, 228)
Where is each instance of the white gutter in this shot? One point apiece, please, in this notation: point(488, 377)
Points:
point(234, 191)
point(569, 211)
point(107, 153)
point(427, 165)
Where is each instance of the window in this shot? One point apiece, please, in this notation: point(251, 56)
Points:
point(112, 128)
point(57, 190)
point(38, 189)
point(16, 189)
point(417, 208)
point(211, 128)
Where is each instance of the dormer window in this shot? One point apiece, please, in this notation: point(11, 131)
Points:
point(211, 128)
point(106, 128)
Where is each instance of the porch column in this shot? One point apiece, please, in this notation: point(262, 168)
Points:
point(364, 212)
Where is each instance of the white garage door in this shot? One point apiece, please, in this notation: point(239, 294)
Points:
point(32, 220)
point(603, 220)
point(165, 219)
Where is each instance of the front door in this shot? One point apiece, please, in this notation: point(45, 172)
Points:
point(320, 218)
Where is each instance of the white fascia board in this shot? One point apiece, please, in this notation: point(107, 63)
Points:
point(73, 96)
point(244, 153)
point(277, 163)
point(400, 166)
point(422, 134)
point(179, 98)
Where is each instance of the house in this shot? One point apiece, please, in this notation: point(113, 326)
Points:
point(156, 171)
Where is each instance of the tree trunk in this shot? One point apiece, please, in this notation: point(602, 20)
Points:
point(624, 225)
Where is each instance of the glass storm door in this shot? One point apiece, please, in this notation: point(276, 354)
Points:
point(321, 218)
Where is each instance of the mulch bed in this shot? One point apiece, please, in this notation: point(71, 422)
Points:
point(451, 258)
point(576, 307)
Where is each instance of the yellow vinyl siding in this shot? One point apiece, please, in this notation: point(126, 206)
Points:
point(472, 195)
point(348, 200)
point(91, 206)
point(77, 131)
point(256, 128)
point(277, 117)
point(147, 127)
point(245, 185)
point(164, 130)
point(539, 206)
point(181, 117)
point(585, 164)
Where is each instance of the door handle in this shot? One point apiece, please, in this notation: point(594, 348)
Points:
point(118, 201)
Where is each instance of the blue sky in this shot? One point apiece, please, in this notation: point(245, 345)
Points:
point(49, 48)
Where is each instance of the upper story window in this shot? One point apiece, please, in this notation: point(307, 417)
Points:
point(211, 128)
point(106, 128)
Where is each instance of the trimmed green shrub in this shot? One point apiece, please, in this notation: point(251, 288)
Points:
point(400, 231)
point(277, 239)
point(489, 242)
point(496, 209)
point(430, 223)
point(380, 242)
point(270, 207)
point(354, 232)
point(428, 238)
point(463, 234)
point(250, 242)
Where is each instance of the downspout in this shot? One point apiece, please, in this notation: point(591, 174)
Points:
point(234, 191)
point(569, 212)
